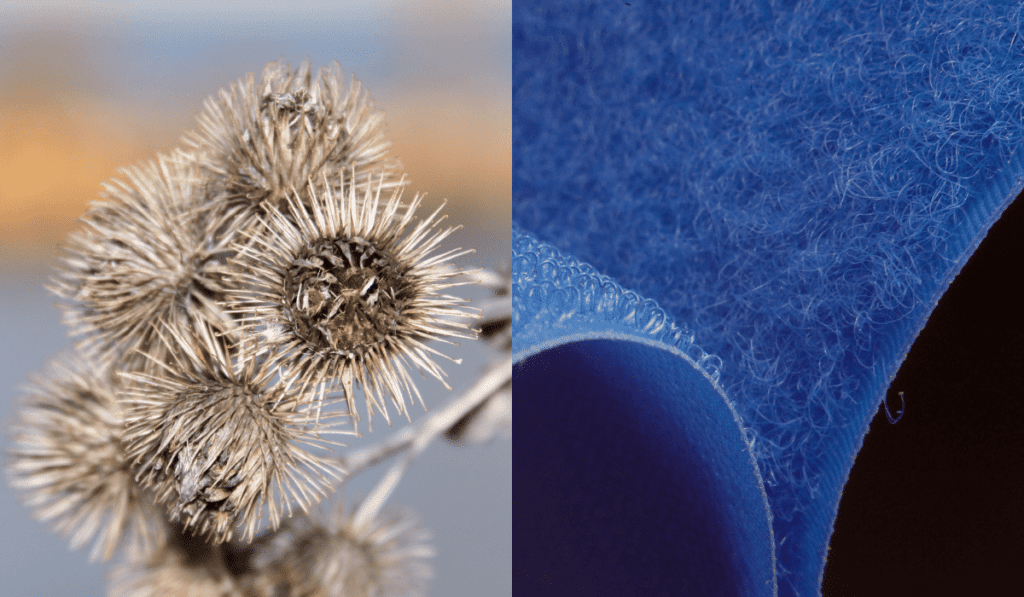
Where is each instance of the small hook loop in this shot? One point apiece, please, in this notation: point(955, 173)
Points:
point(899, 413)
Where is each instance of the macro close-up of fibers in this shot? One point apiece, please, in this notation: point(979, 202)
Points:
point(738, 217)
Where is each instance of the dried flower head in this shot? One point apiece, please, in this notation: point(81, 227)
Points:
point(346, 290)
point(389, 556)
point(69, 461)
point(216, 440)
point(185, 566)
point(143, 255)
point(262, 141)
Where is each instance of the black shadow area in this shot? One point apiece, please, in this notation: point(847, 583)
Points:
point(933, 503)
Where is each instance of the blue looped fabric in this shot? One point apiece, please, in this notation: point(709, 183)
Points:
point(634, 474)
point(794, 183)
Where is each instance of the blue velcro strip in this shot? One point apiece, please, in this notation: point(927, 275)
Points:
point(796, 181)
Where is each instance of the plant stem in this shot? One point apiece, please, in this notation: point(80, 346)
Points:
point(415, 439)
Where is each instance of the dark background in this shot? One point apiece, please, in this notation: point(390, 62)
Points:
point(933, 503)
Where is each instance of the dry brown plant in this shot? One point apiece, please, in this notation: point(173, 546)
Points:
point(231, 299)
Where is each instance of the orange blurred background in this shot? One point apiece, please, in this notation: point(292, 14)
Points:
point(85, 92)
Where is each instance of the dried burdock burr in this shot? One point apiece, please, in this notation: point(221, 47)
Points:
point(144, 254)
point(262, 140)
point(216, 438)
point(348, 290)
point(390, 555)
point(184, 566)
point(68, 460)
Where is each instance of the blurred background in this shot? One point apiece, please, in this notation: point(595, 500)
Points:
point(88, 87)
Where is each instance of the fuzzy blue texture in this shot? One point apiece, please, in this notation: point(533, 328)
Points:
point(797, 182)
point(556, 297)
point(629, 458)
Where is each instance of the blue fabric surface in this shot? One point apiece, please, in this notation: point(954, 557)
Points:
point(634, 475)
point(795, 182)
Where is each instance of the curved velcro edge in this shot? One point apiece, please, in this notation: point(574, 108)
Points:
point(633, 471)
